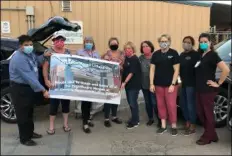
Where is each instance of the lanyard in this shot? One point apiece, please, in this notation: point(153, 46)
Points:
point(90, 54)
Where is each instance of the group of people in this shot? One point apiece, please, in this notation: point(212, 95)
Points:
point(155, 72)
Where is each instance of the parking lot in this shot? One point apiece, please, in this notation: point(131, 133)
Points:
point(116, 140)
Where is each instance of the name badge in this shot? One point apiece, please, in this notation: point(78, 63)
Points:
point(188, 58)
point(35, 69)
point(197, 64)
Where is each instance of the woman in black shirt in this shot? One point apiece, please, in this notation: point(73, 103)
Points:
point(188, 59)
point(131, 81)
point(207, 87)
point(164, 72)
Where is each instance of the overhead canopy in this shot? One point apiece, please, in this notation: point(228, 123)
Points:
point(221, 16)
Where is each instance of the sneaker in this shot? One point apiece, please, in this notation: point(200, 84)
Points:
point(28, 143)
point(174, 132)
point(131, 126)
point(117, 121)
point(36, 135)
point(150, 122)
point(86, 129)
point(161, 130)
point(90, 123)
point(107, 123)
point(189, 131)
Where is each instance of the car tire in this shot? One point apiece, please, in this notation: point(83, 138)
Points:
point(6, 103)
point(221, 104)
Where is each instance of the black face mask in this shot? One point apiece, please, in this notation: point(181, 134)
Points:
point(114, 47)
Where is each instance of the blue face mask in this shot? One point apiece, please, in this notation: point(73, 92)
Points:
point(28, 49)
point(204, 46)
point(88, 46)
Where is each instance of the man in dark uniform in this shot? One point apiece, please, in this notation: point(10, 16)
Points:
point(23, 70)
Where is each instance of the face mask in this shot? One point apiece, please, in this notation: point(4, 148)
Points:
point(204, 46)
point(128, 52)
point(147, 51)
point(88, 46)
point(187, 46)
point(59, 44)
point(114, 47)
point(28, 49)
point(164, 45)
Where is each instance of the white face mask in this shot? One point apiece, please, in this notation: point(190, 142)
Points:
point(164, 45)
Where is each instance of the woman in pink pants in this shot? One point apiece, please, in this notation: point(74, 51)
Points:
point(164, 73)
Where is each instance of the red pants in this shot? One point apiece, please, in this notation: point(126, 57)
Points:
point(205, 106)
point(166, 103)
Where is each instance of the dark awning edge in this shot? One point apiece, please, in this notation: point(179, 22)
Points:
point(202, 4)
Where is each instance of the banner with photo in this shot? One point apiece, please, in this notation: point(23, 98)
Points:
point(86, 79)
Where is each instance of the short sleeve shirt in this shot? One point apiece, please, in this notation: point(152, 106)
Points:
point(145, 74)
point(120, 59)
point(187, 69)
point(164, 66)
point(93, 54)
point(206, 71)
point(132, 65)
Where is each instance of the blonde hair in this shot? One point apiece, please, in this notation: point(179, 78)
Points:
point(166, 36)
point(131, 44)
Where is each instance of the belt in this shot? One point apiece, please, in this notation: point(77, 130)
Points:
point(19, 84)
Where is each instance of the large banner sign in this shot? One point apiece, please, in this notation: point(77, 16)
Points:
point(86, 79)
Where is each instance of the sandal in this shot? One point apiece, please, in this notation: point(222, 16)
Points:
point(66, 129)
point(51, 132)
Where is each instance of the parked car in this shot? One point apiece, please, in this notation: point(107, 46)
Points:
point(8, 47)
point(221, 100)
point(229, 114)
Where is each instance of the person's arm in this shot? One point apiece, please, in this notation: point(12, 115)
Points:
point(29, 76)
point(45, 74)
point(176, 67)
point(223, 67)
point(129, 76)
point(132, 72)
point(176, 73)
point(152, 74)
point(225, 72)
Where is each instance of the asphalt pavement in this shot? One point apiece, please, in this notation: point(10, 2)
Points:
point(116, 140)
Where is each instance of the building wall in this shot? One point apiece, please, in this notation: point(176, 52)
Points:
point(128, 20)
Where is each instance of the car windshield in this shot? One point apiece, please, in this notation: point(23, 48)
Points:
point(224, 51)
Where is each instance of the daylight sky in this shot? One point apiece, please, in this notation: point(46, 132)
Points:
point(223, 2)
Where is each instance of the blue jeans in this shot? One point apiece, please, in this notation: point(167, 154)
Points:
point(132, 99)
point(188, 104)
point(151, 104)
